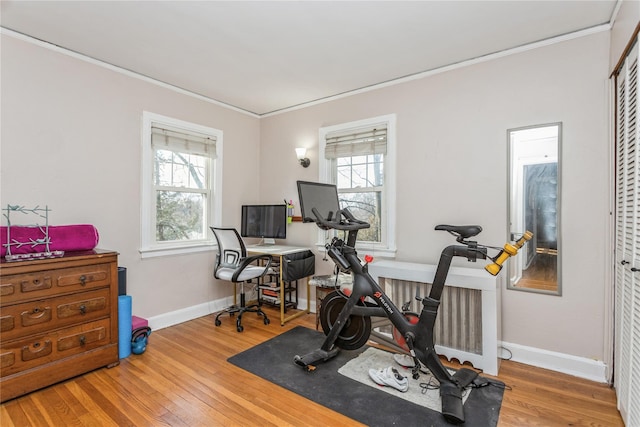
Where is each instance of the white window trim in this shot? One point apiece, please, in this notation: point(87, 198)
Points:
point(387, 250)
point(148, 247)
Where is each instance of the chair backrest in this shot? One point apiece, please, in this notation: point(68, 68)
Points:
point(231, 248)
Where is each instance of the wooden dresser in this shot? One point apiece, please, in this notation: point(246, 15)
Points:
point(58, 319)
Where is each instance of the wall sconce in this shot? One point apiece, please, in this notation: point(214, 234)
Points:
point(301, 152)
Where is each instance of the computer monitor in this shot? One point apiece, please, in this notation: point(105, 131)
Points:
point(264, 221)
point(323, 197)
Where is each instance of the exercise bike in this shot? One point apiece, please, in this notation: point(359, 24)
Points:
point(346, 320)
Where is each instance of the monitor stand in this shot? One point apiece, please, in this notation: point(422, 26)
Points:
point(267, 242)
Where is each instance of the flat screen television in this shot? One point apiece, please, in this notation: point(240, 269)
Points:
point(323, 197)
point(264, 221)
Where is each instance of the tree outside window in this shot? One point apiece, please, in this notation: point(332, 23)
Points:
point(360, 181)
point(181, 195)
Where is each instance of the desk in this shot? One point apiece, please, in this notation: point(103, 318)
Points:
point(280, 251)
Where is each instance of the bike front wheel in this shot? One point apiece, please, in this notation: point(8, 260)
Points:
point(357, 329)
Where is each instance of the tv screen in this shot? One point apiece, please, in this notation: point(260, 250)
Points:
point(264, 221)
point(323, 197)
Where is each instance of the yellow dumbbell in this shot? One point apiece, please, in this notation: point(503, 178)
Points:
point(496, 266)
point(508, 251)
point(521, 241)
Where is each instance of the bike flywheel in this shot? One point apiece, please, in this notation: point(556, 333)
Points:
point(357, 329)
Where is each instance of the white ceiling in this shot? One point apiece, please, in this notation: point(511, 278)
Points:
point(266, 56)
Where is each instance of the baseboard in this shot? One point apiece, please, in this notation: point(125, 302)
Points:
point(189, 313)
point(590, 369)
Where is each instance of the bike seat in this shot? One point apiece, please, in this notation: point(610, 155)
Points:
point(464, 231)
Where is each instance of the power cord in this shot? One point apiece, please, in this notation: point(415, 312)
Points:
point(479, 382)
point(509, 357)
point(484, 382)
point(431, 385)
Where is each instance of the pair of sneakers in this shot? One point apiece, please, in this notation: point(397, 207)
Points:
point(389, 377)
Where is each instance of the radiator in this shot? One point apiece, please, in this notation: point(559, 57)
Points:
point(466, 328)
point(459, 321)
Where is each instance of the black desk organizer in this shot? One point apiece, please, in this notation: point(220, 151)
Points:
point(295, 266)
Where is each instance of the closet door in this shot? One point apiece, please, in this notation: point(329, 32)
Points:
point(627, 257)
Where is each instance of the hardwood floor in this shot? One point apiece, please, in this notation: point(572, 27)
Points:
point(183, 379)
point(541, 274)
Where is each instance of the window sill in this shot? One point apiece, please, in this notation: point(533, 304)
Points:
point(154, 252)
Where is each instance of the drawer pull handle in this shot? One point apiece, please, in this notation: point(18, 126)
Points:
point(38, 315)
point(83, 340)
point(83, 280)
point(35, 284)
point(83, 309)
point(36, 350)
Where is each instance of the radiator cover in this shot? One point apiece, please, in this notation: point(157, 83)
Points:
point(468, 324)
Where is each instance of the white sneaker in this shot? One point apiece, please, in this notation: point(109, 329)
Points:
point(389, 377)
point(406, 361)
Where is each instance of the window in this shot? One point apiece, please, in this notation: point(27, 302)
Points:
point(181, 185)
point(359, 157)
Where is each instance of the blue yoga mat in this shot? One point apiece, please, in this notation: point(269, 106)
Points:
point(124, 326)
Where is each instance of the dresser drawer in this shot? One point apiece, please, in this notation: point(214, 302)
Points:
point(22, 354)
point(33, 317)
point(41, 284)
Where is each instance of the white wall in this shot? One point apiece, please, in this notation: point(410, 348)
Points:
point(71, 135)
point(625, 23)
point(453, 169)
point(71, 140)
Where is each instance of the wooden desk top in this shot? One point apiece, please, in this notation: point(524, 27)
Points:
point(275, 249)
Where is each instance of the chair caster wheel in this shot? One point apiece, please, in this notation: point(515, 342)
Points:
point(240, 328)
point(218, 322)
point(266, 321)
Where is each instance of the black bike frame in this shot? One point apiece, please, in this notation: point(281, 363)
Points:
point(421, 333)
point(418, 336)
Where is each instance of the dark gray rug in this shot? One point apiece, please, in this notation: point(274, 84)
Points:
point(273, 361)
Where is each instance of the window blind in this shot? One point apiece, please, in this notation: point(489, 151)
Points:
point(186, 142)
point(356, 142)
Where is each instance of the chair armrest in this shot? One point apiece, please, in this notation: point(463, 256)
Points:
point(245, 262)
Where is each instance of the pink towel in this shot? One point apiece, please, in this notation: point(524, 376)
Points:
point(79, 237)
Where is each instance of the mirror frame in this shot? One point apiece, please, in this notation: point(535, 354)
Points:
point(510, 285)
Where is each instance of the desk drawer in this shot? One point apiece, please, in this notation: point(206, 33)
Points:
point(38, 350)
point(42, 284)
point(34, 317)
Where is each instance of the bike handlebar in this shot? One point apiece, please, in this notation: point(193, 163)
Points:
point(336, 222)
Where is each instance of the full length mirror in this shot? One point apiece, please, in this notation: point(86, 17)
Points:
point(534, 204)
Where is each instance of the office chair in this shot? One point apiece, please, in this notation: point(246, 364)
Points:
point(233, 265)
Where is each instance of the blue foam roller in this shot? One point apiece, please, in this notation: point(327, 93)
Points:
point(124, 326)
